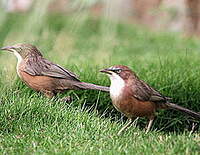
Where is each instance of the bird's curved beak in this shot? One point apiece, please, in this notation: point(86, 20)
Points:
point(107, 71)
point(8, 48)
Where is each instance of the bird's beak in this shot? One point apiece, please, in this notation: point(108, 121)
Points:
point(107, 71)
point(8, 48)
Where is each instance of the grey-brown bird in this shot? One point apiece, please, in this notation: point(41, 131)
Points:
point(135, 98)
point(44, 76)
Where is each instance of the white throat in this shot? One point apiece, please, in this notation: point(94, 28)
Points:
point(19, 60)
point(117, 85)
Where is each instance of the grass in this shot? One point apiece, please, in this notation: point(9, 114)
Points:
point(33, 124)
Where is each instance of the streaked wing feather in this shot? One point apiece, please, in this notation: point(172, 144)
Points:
point(144, 92)
point(43, 67)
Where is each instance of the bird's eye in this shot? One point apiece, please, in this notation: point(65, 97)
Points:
point(118, 71)
point(19, 49)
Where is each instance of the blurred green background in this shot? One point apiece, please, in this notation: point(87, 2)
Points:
point(84, 42)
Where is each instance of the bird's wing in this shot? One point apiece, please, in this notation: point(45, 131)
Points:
point(42, 67)
point(144, 92)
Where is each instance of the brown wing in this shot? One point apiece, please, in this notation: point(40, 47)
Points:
point(144, 92)
point(42, 67)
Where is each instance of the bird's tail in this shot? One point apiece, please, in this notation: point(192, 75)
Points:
point(84, 85)
point(184, 110)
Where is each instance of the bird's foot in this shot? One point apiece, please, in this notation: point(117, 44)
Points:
point(67, 99)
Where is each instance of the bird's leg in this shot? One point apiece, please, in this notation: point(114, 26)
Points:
point(135, 122)
point(48, 94)
point(126, 126)
point(67, 99)
point(151, 119)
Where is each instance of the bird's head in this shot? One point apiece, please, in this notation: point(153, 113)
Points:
point(118, 72)
point(22, 50)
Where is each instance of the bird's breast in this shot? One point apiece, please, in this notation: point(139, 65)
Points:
point(116, 89)
point(132, 107)
point(20, 66)
point(19, 62)
point(127, 104)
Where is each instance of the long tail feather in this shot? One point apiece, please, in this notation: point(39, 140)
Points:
point(84, 85)
point(185, 110)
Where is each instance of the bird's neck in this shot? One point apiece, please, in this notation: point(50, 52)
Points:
point(116, 87)
point(19, 57)
point(19, 61)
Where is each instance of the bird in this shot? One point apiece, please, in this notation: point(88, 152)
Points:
point(43, 75)
point(135, 98)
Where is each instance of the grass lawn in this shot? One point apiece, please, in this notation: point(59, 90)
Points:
point(33, 124)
